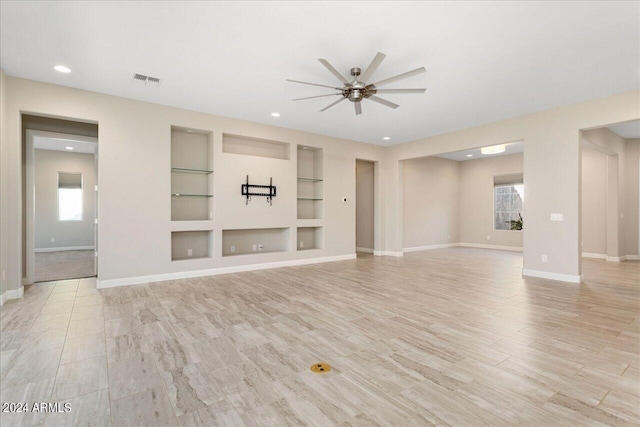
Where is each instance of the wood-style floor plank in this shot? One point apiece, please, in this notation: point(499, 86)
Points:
point(443, 337)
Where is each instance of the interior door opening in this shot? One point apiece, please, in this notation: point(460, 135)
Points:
point(365, 207)
point(60, 189)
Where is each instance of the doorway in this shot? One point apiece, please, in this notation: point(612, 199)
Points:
point(609, 197)
point(61, 206)
point(473, 198)
point(365, 207)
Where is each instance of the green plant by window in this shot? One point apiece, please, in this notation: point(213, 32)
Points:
point(516, 224)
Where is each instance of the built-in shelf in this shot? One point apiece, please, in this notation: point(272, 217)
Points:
point(310, 182)
point(248, 146)
point(191, 174)
point(186, 170)
point(309, 238)
point(255, 241)
point(191, 245)
point(262, 252)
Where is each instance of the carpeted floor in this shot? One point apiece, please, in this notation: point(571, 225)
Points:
point(61, 265)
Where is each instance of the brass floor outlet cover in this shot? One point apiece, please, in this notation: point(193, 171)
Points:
point(320, 368)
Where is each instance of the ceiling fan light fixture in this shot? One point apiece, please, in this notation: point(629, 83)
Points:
point(494, 149)
point(358, 89)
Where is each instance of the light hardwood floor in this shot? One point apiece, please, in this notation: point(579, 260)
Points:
point(446, 337)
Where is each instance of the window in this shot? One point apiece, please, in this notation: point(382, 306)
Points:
point(69, 196)
point(508, 202)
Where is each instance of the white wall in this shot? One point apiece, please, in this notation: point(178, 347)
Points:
point(594, 201)
point(67, 234)
point(135, 180)
point(135, 134)
point(431, 202)
point(551, 170)
point(631, 196)
point(476, 200)
point(365, 204)
point(4, 188)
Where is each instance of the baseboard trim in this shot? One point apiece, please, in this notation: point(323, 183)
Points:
point(570, 278)
point(128, 281)
point(431, 247)
point(11, 294)
point(391, 253)
point(483, 246)
point(365, 250)
point(65, 248)
point(593, 255)
point(611, 258)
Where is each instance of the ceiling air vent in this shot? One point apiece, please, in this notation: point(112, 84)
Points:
point(141, 78)
point(154, 81)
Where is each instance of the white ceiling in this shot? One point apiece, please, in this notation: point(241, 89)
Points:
point(61, 144)
point(485, 61)
point(628, 130)
point(461, 156)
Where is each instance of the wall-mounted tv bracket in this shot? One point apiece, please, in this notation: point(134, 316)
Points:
point(268, 191)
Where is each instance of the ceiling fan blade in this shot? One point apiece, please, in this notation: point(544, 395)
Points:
point(383, 101)
point(401, 76)
point(313, 84)
point(400, 90)
point(318, 96)
point(333, 70)
point(332, 104)
point(375, 63)
point(358, 108)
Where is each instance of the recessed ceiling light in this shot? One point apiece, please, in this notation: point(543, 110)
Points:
point(62, 69)
point(189, 131)
point(386, 138)
point(275, 114)
point(469, 155)
point(69, 148)
point(494, 149)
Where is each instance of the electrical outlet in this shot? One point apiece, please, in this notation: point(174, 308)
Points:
point(232, 248)
point(556, 217)
point(255, 247)
point(488, 237)
point(449, 236)
point(260, 247)
point(302, 244)
point(53, 239)
point(544, 258)
point(189, 252)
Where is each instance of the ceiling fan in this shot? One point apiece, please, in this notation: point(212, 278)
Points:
point(358, 89)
